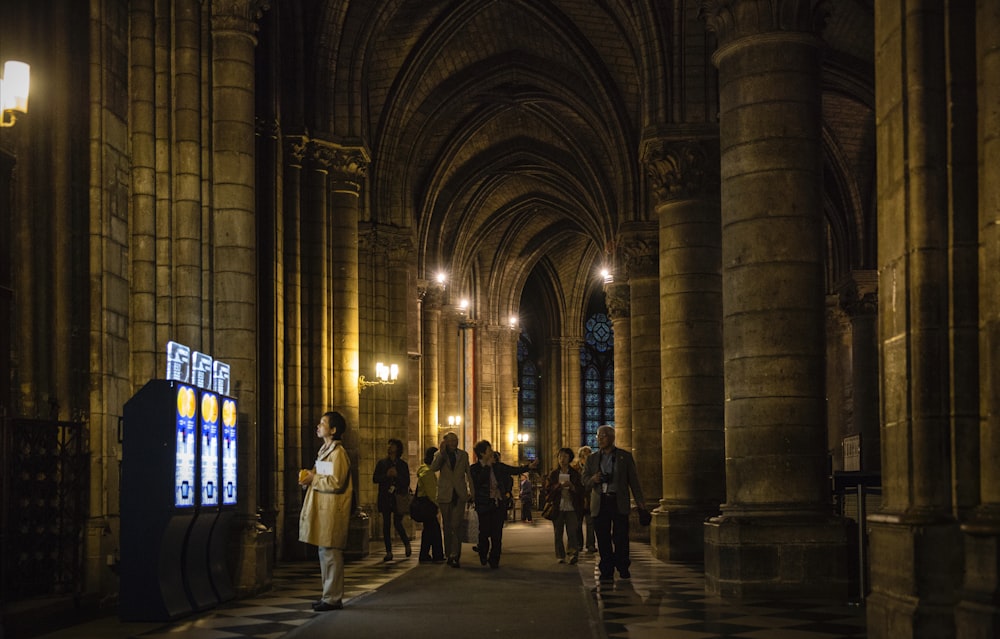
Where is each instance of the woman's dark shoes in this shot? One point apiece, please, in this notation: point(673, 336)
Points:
point(388, 557)
point(409, 550)
point(324, 607)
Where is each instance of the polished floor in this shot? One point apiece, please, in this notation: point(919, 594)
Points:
point(660, 601)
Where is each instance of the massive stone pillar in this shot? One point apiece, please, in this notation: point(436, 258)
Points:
point(639, 246)
point(233, 263)
point(617, 300)
point(685, 177)
point(978, 613)
point(776, 534)
point(925, 113)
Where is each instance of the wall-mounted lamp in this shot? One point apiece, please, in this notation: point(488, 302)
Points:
point(383, 375)
point(522, 438)
point(454, 420)
point(14, 91)
point(607, 276)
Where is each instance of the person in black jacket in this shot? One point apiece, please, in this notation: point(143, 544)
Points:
point(392, 475)
point(490, 479)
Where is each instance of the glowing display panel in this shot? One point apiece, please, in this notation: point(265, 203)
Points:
point(184, 485)
point(228, 451)
point(209, 449)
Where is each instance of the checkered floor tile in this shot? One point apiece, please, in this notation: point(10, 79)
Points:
point(668, 601)
point(660, 601)
point(289, 603)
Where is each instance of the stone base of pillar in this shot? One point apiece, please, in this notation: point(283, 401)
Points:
point(978, 615)
point(916, 570)
point(636, 531)
point(358, 536)
point(255, 561)
point(679, 534)
point(763, 556)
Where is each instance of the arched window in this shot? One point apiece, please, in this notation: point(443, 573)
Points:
point(597, 357)
point(527, 397)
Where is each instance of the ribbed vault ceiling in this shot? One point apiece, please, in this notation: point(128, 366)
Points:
point(504, 133)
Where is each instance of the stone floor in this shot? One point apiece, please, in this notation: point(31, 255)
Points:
point(661, 601)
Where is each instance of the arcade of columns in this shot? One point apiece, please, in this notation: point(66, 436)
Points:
point(719, 316)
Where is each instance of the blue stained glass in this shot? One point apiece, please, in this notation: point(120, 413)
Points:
point(597, 362)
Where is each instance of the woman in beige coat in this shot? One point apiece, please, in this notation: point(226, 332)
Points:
point(326, 510)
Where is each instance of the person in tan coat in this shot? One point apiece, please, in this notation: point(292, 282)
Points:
point(326, 509)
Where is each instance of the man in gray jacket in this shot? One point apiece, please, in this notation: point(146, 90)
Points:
point(454, 481)
point(610, 474)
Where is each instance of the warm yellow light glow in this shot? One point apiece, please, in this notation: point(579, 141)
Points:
point(441, 277)
point(607, 276)
point(14, 90)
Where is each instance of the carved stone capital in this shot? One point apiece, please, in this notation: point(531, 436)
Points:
point(294, 147)
point(859, 294)
point(638, 249)
point(682, 169)
point(616, 297)
point(238, 15)
point(431, 295)
point(732, 20)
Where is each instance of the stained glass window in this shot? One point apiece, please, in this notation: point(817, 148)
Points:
point(527, 397)
point(598, 376)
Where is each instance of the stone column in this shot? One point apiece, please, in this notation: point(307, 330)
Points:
point(294, 429)
point(572, 390)
point(685, 178)
point(617, 300)
point(348, 168)
point(639, 247)
point(776, 534)
point(430, 316)
point(978, 612)
point(507, 393)
point(234, 248)
point(315, 301)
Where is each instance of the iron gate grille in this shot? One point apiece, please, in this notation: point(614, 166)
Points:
point(45, 467)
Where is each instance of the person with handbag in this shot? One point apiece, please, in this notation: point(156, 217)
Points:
point(431, 549)
point(564, 496)
point(326, 508)
point(490, 481)
point(392, 475)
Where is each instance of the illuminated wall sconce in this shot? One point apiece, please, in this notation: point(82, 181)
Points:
point(513, 321)
point(607, 276)
point(14, 91)
point(454, 421)
point(522, 438)
point(383, 375)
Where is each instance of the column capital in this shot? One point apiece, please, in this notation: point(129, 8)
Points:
point(859, 293)
point(347, 165)
point(395, 242)
point(238, 15)
point(431, 295)
point(682, 168)
point(733, 20)
point(616, 298)
point(295, 148)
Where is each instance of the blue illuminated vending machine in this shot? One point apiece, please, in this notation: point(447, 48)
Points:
point(175, 510)
point(158, 499)
point(218, 479)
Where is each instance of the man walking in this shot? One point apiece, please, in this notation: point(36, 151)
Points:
point(610, 474)
point(454, 481)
